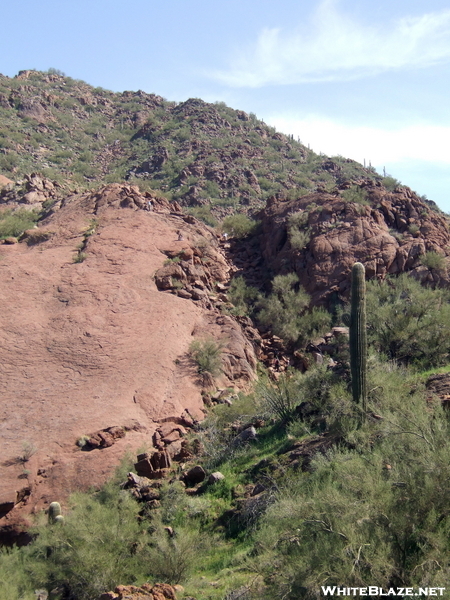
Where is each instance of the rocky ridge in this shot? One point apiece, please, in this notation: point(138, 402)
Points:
point(321, 235)
point(202, 154)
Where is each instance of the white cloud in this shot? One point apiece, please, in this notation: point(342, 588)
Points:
point(335, 46)
point(418, 142)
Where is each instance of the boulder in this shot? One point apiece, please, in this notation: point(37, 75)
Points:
point(246, 435)
point(195, 475)
point(215, 477)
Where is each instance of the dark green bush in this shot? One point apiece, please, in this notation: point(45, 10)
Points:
point(286, 311)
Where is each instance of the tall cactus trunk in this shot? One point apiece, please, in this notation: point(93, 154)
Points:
point(358, 338)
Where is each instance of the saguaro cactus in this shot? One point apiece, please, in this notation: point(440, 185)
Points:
point(358, 337)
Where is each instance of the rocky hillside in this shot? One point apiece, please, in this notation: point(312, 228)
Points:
point(100, 305)
point(194, 152)
point(321, 235)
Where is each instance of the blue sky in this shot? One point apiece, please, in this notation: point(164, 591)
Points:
point(367, 80)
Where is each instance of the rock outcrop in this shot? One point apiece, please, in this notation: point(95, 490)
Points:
point(390, 233)
point(91, 342)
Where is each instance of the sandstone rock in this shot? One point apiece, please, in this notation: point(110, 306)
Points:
point(195, 475)
point(144, 468)
point(215, 477)
point(104, 438)
point(110, 342)
point(342, 233)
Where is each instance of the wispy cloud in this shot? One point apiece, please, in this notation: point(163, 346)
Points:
point(335, 46)
point(417, 142)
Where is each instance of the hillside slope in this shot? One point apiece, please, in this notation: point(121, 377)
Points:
point(196, 152)
point(88, 341)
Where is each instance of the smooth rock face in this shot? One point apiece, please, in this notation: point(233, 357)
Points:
point(95, 346)
point(388, 237)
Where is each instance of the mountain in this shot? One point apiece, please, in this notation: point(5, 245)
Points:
point(127, 317)
point(205, 156)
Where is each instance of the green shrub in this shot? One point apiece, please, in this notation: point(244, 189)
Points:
point(286, 312)
point(203, 213)
point(390, 183)
point(279, 398)
point(239, 225)
point(408, 322)
point(433, 260)
point(413, 229)
point(356, 516)
point(243, 296)
point(207, 355)
point(356, 194)
point(299, 239)
point(15, 223)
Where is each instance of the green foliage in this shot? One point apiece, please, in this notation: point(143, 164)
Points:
point(299, 239)
point(279, 398)
point(356, 515)
point(203, 213)
point(413, 229)
point(79, 257)
point(433, 260)
point(390, 183)
point(356, 194)
point(207, 355)
point(239, 225)
point(15, 223)
point(409, 322)
point(243, 296)
point(286, 312)
point(173, 558)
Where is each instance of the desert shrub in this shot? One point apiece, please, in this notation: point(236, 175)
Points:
point(433, 260)
point(15, 223)
point(390, 183)
point(413, 229)
point(279, 398)
point(283, 307)
point(243, 296)
point(286, 312)
point(408, 322)
point(206, 354)
point(239, 225)
point(299, 239)
point(173, 558)
point(357, 515)
point(93, 552)
point(203, 213)
point(15, 584)
point(356, 194)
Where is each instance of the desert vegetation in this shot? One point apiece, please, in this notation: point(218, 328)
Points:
point(317, 497)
